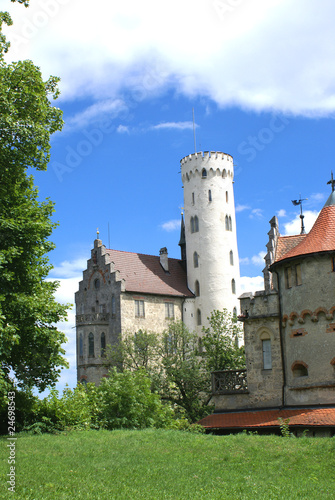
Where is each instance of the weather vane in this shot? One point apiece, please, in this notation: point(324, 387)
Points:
point(296, 203)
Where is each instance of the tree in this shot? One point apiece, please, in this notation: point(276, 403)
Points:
point(30, 344)
point(184, 381)
point(220, 342)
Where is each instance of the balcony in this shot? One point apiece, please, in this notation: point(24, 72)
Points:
point(229, 382)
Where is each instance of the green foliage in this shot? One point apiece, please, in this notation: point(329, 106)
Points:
point(220, 342)
point(183, 380)
point(129, 403)
point(284, 427)
point(30, 344)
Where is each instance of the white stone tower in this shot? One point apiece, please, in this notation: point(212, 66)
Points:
point(210, 236)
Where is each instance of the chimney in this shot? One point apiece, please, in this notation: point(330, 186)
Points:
point(164, 260)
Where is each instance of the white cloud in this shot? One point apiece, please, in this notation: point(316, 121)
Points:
point(174, 125)
point(123, 129)
point(294, 226)
point(251, 284)
point(128, 45)
point(258, 260)
point(171, 225)
point(281, 213)
point(244, 260)
point(69, 269)
point(256, 213)
point(241, 208)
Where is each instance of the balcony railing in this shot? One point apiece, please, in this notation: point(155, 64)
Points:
point(92, 318)
point(229, 382)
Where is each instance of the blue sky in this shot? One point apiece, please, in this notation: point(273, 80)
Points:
point(260, 76)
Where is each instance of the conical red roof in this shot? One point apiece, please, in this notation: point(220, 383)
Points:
point(321, 237)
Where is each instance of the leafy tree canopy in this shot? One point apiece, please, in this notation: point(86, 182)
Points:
point(30, 344)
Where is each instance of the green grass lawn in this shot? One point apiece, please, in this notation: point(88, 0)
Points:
point(158, 464)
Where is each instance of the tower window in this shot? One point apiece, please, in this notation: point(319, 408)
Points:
point(233, 286)
point(267, 359)
point(197, 288)
point(204, 173)
point(169, 310)
point(139, 308)
point(226, 196)
point(194, 224)
point(297, 272)
point(193, 199)
point(113, 306)
point(90, 345)
point(103, 345)
point(230, 224)
point(97, 284)
point(227, 223)
point(224, 173)
point(231, 258)
point(195, 259)
point(198, 317)
point(209, 195)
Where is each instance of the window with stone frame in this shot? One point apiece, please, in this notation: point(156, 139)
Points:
point(169, 310)
point(103, 345)
point(266, 350)
point(90, 345)
point(139, 309)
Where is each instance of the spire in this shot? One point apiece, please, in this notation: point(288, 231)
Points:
point(296, 203)
point(331, 199)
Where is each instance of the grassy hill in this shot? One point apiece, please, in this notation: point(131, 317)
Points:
point(158, 464)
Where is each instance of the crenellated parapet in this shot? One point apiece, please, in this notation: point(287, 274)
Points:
point(207, 164)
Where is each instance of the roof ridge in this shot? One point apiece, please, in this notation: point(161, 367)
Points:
point(138, 253)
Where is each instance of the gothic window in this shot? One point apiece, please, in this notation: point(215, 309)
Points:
point(192, 224)
point(226, 196)
point(224, 173)
point(233, 286)
point(230, 224)
point(195, 259)
point(267, 360)
point(196, 224)
point(169, 310)
point(139, 308)
point(90, 345)
point(97, 284)
point(209, 195)
point(227, 223)
point(198, 317)
point(231, 258)
point(204, 173)
point(197, 288)
point(81, 345)
point(299, 369)
point(103, 345)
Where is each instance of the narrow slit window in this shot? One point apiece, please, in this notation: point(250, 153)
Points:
point(91, 345)
point(267, 360)
point(209, 195)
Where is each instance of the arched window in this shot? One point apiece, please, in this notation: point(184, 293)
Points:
point(230, 224)
point(231, 258)
point(224, 173)
point(196, 224)
point(226, 196)
point(91, 345)
point(192, 224)
point(83, 381)
point(233, 286)
point(195, 259)
point(81, 345)
point(198, 317)
point(299, 369)
point(227, 223)
point(204, 173)
point(103, 345)
point(197, 288)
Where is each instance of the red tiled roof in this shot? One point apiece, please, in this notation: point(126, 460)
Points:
point(287, 243)
point(306, 417)
point(144, 274)
point(321, 237)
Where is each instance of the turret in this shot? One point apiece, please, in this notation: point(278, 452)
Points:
point(210, 233)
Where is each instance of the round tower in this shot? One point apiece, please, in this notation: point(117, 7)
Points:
point(210, 235)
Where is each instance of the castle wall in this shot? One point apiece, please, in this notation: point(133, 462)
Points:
point(210, 231)
point(308, 325)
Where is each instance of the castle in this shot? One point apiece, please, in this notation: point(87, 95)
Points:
point(289, 335)
point(122, 292)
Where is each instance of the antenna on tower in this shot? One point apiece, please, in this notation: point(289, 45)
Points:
point(296, 203)
point(109, 242)
point(195, 144)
